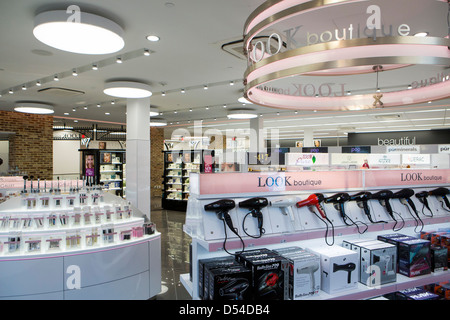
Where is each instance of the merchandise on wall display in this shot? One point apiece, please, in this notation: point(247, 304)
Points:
point(362, 199)
point(423, 198)
point(383, 197)
point(441, 194)
point(338, 200)
point(255, 205)
point(404, 196)
point(315, 200)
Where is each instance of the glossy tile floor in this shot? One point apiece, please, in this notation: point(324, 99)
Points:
point(174, 251)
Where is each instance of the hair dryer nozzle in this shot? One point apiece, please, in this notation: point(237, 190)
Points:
point(220, 205)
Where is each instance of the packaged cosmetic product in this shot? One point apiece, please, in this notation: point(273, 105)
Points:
point(340, 268)
point(304, 274)
point(378, 264)
point(414, 257)
point(205, 265)
point(230, 283)
point(439, 258)
point(416, 294)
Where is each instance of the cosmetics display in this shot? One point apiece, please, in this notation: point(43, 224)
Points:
point(42, 221)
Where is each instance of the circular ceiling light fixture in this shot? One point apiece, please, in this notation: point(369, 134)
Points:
point(154, 112)
point(78, 32)
point(34, 108)
point(241, 114)
point(127, 89)
point(158, 122)
point(153, 38)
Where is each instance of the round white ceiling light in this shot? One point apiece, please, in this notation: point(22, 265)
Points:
point(127, 89)
point(33, 107)
point(152, 38)
point(241, 114)
point(158, 123)
point(154, 112)
point(78, 32)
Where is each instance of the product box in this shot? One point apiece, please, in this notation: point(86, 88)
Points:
point(393, 238)
point(304, 274)
point(269, 278)
point(340, 268)
point(209, 264)
point(414, 257)
point(439, 258)
point(352, 244)
point(230, 283)
point(416, 294)
point(443, 290)
point(378, 264)
point(262, 253)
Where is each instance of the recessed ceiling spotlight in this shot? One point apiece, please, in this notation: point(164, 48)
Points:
point(33, 107)
point(74, 73)
point(127, 89)
point(76, 31)
point(205, 87)
point(231, 83)
point(243, 100)
point(146, 53)
point(183, 91)
point(119, 60)
point(94, 67)
point(56, 78)
point(107, 113)
point(24, 88)
point(163, 94)
point(153, 38)
point(10, 91)
point(38, 83)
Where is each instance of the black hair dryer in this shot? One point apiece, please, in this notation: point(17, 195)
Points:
point(221, 207)
point(442, 194)
point(255, 205)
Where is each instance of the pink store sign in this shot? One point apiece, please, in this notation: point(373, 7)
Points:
point(406, 177)
point(233, 183)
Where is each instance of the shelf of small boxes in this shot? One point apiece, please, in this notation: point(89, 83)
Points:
point(46, 223)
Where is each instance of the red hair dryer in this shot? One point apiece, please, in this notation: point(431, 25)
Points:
point(313, 200)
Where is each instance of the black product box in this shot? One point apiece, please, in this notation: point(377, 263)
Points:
point(393, 238)
point(416, 294)
point(414, 257)
point(269, 278)
point(255, 253)
point(210, 264)
point(439, 260)
point(232, 283)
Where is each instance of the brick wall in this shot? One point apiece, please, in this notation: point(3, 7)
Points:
point(156, 160)
point(31, 148)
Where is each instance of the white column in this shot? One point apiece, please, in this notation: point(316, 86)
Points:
point(308, 138)
point(257, 141)
point(138, 154)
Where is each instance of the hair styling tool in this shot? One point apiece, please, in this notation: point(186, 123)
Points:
point(362, 200)
point(310, 268)
point(423, 198)
point(441, 194)
point(349, 267)
point(285, 205)
point(235, 289)
point(404, 196)
point(338, 200)
point(255, 205)
point(312, 201)
point(383, 197)
point(222, 208)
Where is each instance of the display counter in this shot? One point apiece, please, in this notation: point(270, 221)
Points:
point(233, 212)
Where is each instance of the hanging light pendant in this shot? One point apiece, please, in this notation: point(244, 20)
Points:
point(78, 32)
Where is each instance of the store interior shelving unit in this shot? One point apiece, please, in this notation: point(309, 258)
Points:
point(306, 230)
point(178, 165)
point(109, 169)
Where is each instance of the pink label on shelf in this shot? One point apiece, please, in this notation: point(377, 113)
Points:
point(278, 182)
point(407, 177)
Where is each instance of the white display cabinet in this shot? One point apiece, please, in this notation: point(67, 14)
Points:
point(83, 244)
point(289, 225)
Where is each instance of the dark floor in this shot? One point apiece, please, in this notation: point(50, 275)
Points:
point(174, 251)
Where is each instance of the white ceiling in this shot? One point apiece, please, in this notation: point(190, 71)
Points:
point(189, 55)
